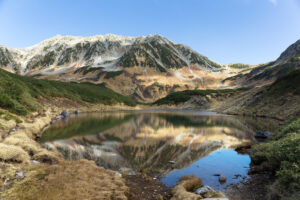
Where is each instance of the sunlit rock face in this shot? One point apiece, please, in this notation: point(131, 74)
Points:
point(145, 141)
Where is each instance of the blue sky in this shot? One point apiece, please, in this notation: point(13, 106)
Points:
point(227, 31)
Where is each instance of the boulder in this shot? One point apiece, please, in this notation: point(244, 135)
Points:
point(117, 174)
point(207, 192)
point(65, 114)
point(263, 135)
point(58, 117)
point(222, 178)
point(204, 190)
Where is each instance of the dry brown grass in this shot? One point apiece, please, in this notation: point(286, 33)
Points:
point(183, 189)
point(13, 153)
point(74, 180)
point(22, 140)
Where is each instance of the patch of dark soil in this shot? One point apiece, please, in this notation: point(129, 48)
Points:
point(252, 188)
point(147, 188)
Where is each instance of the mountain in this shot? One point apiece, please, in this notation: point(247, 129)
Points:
point(107, 52)
point(268, 73)
point(145, 68)
point(291, 52)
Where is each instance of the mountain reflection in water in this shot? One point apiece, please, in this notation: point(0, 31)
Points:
point(148, 141)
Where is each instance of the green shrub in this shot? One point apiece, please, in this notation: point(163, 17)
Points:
point(282, 155)
point(7, 117)
point(183, 96)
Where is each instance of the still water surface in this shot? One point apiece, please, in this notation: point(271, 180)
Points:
point(165, 144)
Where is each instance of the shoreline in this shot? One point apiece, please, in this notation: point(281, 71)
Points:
point(34, 129)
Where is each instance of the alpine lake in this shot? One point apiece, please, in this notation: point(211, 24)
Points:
point(165, 144)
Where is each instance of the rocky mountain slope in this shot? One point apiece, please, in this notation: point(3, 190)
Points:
point(146, 67)
point(266, 74)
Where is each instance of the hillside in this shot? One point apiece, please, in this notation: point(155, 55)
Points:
point(128, 65)
point(279, 99)
point(267, 73)
point(21, 94)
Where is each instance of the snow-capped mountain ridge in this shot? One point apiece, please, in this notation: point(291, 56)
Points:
point(144, 67)
point(96, 51)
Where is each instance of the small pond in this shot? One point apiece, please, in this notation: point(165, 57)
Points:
point(165, 144)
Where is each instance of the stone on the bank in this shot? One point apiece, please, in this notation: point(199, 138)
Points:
point(207, 192)
point(204, 190)
point(263, 135)
point(65, 114)
point(117, 174)
point(127, 171)
point(20, 175)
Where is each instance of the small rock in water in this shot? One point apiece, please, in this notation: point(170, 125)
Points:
point(222, 178)
point(172, 162)
point(117, 174)
point(263, 135)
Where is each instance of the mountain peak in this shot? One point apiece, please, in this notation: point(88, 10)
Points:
point(291, 51)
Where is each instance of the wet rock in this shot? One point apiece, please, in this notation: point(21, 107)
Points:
point(222, 178)
point(65, 114)
point(263, 135)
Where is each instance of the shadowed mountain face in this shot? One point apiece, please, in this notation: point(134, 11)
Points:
point(147, 141)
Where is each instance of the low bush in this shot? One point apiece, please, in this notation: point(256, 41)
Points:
point(282, 155)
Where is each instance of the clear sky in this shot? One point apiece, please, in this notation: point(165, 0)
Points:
point(227, 31)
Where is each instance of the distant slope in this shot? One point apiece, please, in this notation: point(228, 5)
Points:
point(20, 94)
point(281, 99)
point(265, 74)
